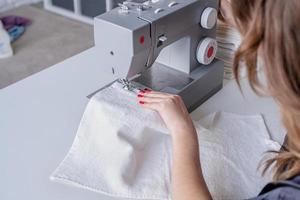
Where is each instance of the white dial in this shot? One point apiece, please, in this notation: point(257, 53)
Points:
point(209, 18)
point(206, 51)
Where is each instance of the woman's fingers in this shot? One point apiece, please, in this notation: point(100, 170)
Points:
point(147, 99)
point(149, 93)
point(152, 99)
point(158, 97)
point(150, 105)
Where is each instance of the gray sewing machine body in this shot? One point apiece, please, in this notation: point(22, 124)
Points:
point(169, 45)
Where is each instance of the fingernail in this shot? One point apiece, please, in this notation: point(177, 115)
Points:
point(142, 91)
point(140, 95)
point(141, 102)
point(148, 90)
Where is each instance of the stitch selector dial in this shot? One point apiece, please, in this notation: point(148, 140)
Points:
point(209, 18)
point(206, 51)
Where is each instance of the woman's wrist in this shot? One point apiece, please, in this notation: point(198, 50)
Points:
point(181, 134)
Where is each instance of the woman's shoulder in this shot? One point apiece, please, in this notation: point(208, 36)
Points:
point(281, 190)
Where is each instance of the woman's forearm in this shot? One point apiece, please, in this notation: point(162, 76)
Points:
point(187, 178)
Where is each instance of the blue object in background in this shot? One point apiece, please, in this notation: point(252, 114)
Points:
point(16, 32)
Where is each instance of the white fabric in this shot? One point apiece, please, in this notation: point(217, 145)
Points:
point(120, 149)
point(231, 152)
point(123, 150)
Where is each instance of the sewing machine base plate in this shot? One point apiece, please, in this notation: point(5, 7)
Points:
point(194, 88)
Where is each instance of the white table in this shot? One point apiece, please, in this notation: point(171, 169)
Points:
point(39, 117)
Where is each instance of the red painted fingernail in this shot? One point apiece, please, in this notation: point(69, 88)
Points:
point(148, 90)
point(142, 91)
point(141, 102)
point(140, 95)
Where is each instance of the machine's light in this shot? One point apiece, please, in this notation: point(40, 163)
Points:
point(210, 52)
point(142, 39)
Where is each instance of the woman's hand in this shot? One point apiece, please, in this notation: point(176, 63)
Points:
point(172, 110)
point(187, 178)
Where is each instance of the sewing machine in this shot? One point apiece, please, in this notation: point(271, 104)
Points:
point(164, 45)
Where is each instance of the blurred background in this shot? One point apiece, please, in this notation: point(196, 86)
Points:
point(43, 33)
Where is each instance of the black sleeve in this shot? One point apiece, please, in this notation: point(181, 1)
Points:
point(280, 193)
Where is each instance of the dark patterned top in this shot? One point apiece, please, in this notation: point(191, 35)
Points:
point(282, 190)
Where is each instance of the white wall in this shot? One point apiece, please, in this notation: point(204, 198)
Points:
point(8, 4)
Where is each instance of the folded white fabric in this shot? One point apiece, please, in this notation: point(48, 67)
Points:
point(231, 153)
point(120, 149)
point(124, 151)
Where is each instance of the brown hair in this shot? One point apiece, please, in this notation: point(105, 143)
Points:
point(271, 30)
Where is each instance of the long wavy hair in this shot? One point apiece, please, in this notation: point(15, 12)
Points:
point(271, 33)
